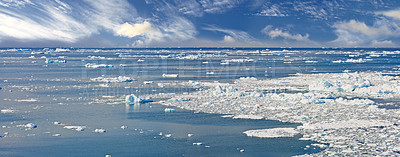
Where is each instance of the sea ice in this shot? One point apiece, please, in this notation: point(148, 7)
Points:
point(99, 130)
point(30, 125)
point(55, 61)
point(76, 128)
point(272, 133)
point(135, 99)
point(170, 75)
point(94, 65)
point(113, 79)
point(5, 111)
point(169, 110)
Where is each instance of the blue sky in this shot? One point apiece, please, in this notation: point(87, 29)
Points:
point(199, 23)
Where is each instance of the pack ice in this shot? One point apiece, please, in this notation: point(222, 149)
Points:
point(338, 110)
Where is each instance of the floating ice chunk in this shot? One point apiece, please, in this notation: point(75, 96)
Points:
point(189, 135)
point(62, 57)
point(162, 85)
point(227, 116)
point(248, 117)
point(197, 143)
point(30, 125)
point(238, 60)
point(62, 50)
point(147, 82)
point(99, 130)
point(311, 61)
point(27, 100)
point(31, 57)
point(123, 127)
point(168, 135)
point(94, 65)
point(56, 135)
point(76, 128)
point(55, 61)
point(140, 60)
point(169, 110)
point(360, 60)
point(95, 57)
point(108, 155)
point(113, 79)
point(178, 99)
point(57, 123)
point(338, 61)
point(210, 73)
point(272, 133)
point(6, 111)
point(170, 75)
point(241, 150)
point(135, 99)
point(319, 145)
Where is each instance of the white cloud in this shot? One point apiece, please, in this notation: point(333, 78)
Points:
point(228, 39)
point(391, 13)
point(128, 30)
point(385, 43)
point(235, 34)
point(274, 33)
point(355, 33)
point(361, 28)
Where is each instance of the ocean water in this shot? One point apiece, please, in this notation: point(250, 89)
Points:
point(42, 93)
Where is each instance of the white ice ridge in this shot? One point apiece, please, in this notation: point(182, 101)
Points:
point(112, 79)
point(94, 65)
point(272, 133)
point(336, 109)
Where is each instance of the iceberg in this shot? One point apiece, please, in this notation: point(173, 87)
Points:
point(30, 125)
point(135, 99)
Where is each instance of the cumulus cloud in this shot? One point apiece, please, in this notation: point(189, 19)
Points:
point(274, 33)
point(228, 39)
point(356, 33)
point(128, 30)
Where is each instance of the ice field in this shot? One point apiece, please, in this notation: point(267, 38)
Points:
point(200, 102)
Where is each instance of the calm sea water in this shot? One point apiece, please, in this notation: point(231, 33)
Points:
point(65, 93)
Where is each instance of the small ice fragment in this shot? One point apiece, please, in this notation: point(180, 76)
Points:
point(108, 155)
point(210, 73)
point(124, 127)
point(190, 135)
point(197, 143)
point(248, 117)
point(55, 61)
point(169, 110)
point(5, 111)
point(76, 128)
point(227, 116)
point(147, 82)
point(94, 65)
point(27, 100)
point(30, 125)
point(160, 133)
point(170, 75)
point(140, 60)
point(241, 150)
point(57, 123)
point(99, 130)
point(56, 135)
point(207, 146)
point(167, 135)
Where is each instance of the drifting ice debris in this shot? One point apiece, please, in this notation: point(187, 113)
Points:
point(170, 75)
point(108, 155)
point(55, 61)
point(123, 127)
point(241, 150)
point(30, 125)
point(27, 100)
point(197, 143)
point(113, 79)
point(99, 131)
point(272, 133)
point(135, 99)
point(167, 135)
point(5, 111)
point(56, 135)
point(76, 128)
point(57, 123)
point(248, 117)
point(94, 65)
point(147, 82)
point(169, 110)
point(95, 57)
point(190, 135)
point(62, 50)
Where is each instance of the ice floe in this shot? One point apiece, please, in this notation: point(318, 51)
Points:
point(76, 128)
point(272, 133)
point(170, 75)
point(94, 65)
point(54, 61)
point(30, 125)
point(338, 110)
point(99, 130)
point(112, 79)
point(6, 111)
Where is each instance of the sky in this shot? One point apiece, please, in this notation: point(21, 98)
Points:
point(199, 23)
